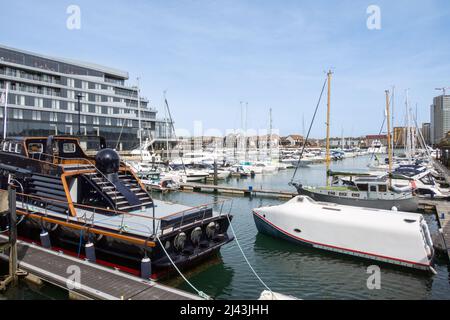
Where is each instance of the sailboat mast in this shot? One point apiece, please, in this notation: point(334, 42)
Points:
point(328, 125)
point(389, 136)
point(139, 116)
point(270, 134)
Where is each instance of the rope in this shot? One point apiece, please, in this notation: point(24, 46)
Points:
point(243, 254)
point(309, 131)
point(200, 293)
point(79, 243)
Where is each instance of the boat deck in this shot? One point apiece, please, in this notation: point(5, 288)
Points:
point(95, 282)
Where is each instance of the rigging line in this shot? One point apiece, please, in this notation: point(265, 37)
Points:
point(200, 293)
point(120, 135)
point(243, 254)
point(309, 131)
point(381, 130)
point(173, 129)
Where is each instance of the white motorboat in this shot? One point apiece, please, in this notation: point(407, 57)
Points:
point(393, 237)
point(377, 148)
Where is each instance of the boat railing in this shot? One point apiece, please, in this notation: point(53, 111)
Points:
point(88, 217)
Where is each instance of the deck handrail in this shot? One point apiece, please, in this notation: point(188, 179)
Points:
point(124, 212)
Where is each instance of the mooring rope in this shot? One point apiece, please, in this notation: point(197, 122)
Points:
point(200, 293)
point(243, 254)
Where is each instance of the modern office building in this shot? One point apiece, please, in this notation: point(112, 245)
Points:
point(440, 118)
point(426, 128)
point(45, 93)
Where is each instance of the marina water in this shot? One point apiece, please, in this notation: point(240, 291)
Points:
point(287, 268)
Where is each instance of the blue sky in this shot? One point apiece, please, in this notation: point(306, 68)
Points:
point(210, 55)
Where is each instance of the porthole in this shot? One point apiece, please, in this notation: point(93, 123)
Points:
point(297, 230)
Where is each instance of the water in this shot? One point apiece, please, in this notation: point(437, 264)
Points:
point(285, 267)
point(295, 270)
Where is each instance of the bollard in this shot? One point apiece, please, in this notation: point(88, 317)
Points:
point(45, 239)
point(146, 268)
point(89, 249)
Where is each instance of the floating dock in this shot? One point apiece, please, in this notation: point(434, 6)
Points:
point(246, 192)
point(95, 282)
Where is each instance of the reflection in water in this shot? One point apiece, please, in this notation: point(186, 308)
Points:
point(287, 268)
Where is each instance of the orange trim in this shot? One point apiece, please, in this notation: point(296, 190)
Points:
point(88, 229)
point(68, 196)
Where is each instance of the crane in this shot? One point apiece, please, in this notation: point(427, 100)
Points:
point(442, 89)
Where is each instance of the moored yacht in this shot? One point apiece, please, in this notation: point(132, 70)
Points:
point(99, 202)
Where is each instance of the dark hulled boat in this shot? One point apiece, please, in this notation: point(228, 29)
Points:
point(98, 202)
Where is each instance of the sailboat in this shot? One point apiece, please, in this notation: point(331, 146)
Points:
point(372, 192)
point(393, 237)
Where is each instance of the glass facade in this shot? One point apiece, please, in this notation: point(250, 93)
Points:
point(46, 94)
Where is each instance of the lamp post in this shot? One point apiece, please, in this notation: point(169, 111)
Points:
point(79, 96)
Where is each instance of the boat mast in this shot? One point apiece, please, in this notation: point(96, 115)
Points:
point(139, 113)
point(328, 125)
point(166, 131)
point(389, 137)
point(270, 134)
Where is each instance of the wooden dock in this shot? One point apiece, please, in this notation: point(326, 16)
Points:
point(246, 192)
point(95, 281)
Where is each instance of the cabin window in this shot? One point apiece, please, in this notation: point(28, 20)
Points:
point(363, 187)
point(373, 188)
point(382, 188)
point(35, 147)
point(69, 147)
point(12, 147)
point(5, 146)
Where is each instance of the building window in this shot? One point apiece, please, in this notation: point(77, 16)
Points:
point(39, 102)
point(110, 110)
point(98, 109)
point(71, 83)
point(84, 85)
point(84, 108)
point(36, 115)
point(95, 120)
point(17, 114)
point(55, 104)
point(70, 94)
point(98, 98)
point(119, 122)
point(108, 121)
point(20, 100)
point(83, 119)
point(130, 123)
point(68, 118)
point(1, 113)
point(71, 106)
point(53, 117)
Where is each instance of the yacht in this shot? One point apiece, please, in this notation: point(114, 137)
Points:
point(100, 204)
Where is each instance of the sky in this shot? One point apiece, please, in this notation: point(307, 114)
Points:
point(210, 55)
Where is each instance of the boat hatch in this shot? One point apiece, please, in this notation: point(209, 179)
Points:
point(409, 220)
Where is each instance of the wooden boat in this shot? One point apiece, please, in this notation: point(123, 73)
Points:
point(393, 237)
point(99, 201)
